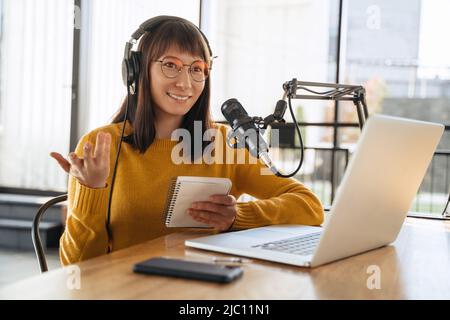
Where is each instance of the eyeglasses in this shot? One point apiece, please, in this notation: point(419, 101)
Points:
point(171, 67)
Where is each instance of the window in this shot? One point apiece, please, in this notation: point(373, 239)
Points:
point(262, 44)
point(35, 94)
point(36, 77)
point(395, 50)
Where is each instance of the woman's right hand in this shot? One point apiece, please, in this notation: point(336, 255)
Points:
point(92, 170)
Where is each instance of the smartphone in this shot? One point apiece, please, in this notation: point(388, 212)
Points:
point(188, 269)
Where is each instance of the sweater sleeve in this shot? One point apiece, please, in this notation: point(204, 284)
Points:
point(85, 233)
point(280, 200)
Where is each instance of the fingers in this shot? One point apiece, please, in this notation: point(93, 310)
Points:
point(107, 147)
point(92, 168)
point(102, 146)
point(210, 218)
point(75, 161)
point(226, 200)
point(218, 216)
point(87, 152)
point(208, 206)
point(98, 145)
point(72, 162)
point(64, 164)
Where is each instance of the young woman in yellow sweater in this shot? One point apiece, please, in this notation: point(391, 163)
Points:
point(172, 91)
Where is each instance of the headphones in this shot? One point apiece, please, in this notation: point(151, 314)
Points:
point(132, 59)
point(130, 74)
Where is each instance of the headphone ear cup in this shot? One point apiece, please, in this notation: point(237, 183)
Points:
point(131, 68)
point(135, 64)
point(125, 72)
point(138, 61)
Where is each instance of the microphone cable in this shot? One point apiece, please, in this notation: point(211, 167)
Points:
point(119, 147)
point(302, 149)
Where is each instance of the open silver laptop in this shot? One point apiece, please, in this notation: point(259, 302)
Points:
point(371, 204)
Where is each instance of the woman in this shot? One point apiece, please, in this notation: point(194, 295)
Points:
point(173, 91)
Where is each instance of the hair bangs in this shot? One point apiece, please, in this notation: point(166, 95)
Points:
point(181, 35)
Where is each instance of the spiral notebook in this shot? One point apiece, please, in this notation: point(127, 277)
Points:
point(183, 191)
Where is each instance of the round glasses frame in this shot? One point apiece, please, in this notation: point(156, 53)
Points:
point(179, 69)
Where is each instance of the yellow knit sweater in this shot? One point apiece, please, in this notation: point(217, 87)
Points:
point(140, 192)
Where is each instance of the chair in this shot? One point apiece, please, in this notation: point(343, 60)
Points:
point(446, 212)
point(35, 231)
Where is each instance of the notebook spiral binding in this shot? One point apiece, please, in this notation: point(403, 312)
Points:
point(171, 199)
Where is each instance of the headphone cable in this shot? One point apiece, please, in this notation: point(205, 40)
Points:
point(108, 217)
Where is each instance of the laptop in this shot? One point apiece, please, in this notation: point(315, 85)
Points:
point(371, 204)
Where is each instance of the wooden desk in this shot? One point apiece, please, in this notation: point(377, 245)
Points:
point(416, 266)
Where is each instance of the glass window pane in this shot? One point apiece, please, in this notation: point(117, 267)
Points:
point(395, 49)
point(35, 96)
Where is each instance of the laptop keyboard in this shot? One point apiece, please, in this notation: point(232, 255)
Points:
point(300, 245)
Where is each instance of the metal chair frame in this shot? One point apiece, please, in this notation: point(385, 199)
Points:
point(37, 243)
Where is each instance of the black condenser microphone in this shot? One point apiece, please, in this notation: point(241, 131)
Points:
point(245, 132)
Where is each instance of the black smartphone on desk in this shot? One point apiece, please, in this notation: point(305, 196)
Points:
point(188, 269)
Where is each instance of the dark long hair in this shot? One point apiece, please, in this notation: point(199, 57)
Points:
point(141, 115)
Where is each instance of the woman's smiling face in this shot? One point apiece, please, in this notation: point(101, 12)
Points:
point(174, 96)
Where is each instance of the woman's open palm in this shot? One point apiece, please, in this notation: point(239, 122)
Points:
point(93, 169)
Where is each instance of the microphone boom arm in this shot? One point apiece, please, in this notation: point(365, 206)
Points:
point(338, 92)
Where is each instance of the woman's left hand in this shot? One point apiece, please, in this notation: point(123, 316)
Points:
point(219, 212)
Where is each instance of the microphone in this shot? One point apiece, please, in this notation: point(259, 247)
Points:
point(246, 133)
